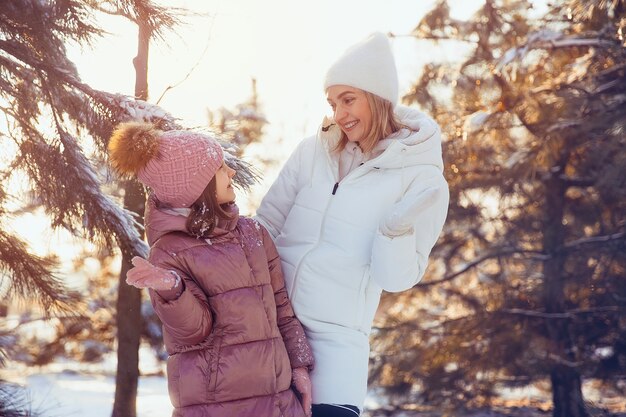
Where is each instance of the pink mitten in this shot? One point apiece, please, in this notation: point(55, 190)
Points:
point(301, 381)
point(145, 275)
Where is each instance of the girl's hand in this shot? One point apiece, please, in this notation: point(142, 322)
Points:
point(145, 275)
point(301, 381)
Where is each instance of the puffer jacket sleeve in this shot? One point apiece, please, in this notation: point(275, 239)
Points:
point(280, 197)
point(298, 348)
point(187, 318)
point(398, 263)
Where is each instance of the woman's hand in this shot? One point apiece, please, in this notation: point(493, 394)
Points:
point(145, 275)
point(404, 213)
point(301, 381)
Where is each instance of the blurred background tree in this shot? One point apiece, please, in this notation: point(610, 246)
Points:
point(242, 125)
point(527, 281)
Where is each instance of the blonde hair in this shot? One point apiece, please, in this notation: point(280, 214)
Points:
point(384, 123)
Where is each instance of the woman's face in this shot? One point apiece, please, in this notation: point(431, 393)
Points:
point(351, 111)
point(224, 191)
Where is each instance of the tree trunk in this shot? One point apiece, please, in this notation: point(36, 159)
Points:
point(141, 62)
point(567, 397)
point(129, 320)
point(129, 324)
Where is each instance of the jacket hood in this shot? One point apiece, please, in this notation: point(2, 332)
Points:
point(420, 144)
point(159, 222)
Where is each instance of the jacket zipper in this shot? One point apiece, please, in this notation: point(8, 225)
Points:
point(362, 169)
point(319, 238)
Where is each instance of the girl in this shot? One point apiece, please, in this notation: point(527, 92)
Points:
point(215, 282)
point(356, 210)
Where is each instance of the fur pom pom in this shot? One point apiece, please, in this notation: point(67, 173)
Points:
point(132, 146)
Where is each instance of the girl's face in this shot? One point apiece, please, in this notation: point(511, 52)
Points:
point(351, 110)
point(224, 191)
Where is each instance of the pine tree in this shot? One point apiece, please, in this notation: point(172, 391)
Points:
point(51, 118)
point(527, 279)
point(50, 115)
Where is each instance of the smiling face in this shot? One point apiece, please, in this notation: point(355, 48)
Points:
point(351, 111)
point(224, 191)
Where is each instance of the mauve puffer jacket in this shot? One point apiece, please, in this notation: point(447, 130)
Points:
point(231, 333)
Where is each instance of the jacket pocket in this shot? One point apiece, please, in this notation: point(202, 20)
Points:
point(173, 379)
point(212, 361)
point(192, 375)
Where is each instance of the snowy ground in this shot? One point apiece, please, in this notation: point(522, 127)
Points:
point(69, 394)
point(87, 390)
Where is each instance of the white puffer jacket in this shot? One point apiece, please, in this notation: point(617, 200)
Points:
point(335, 259)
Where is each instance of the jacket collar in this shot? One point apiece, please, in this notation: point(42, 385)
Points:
point(160, 221)
point(225, 226)
point(418, 145)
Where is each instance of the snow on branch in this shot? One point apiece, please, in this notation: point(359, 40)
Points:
point(104, 213)
point(77, 201)
point(545, 39)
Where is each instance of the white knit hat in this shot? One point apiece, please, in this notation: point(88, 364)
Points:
point(368, 65)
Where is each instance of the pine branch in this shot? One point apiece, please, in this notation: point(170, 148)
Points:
point(159, 19)
point(436, 38)
point(611, 70)
point(570, 314)
point(104, 214)
point(538, 255)
point(593, 240)
point(14, 401)
point(23, 54)
point(572, 43)
point(534, 254)
point(578, 182)
point(32, 275)
point(565, 362)
point(77, 198)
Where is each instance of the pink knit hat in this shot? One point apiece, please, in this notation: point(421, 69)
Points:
point(177, 165)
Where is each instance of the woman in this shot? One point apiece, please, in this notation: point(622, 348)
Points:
point(355, 210)
point(235, 347)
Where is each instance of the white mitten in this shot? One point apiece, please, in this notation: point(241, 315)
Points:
point(402, 217)
point(145, 275)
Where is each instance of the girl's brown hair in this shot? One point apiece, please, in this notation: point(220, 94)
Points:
point(205, 211)
point(384, 123)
